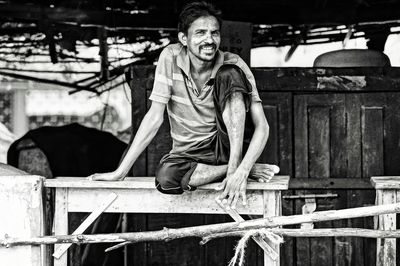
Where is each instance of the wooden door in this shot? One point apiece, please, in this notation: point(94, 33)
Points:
point(343, 135)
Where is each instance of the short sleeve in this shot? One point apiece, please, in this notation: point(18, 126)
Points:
point(255, 97)
point(162, 80)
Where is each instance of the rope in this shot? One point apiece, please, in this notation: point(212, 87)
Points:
point(240, 252)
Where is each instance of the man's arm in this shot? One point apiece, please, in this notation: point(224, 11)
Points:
point(147, 130)
point(235, 184)
point(259, 139)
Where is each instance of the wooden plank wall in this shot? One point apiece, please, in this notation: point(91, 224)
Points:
point(325, 123)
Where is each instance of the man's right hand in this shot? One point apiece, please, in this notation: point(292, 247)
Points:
point(111, 176)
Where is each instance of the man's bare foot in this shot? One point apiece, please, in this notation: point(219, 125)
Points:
point(263, 172)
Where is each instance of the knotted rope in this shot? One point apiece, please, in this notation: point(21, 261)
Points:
point(240, 252)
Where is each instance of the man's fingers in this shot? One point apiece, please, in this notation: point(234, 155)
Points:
point(230, 199)
point(235, 200)
point(223, 195)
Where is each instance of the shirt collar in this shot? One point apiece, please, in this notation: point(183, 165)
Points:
point(183, 62)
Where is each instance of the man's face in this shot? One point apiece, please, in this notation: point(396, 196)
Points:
point(203, 38)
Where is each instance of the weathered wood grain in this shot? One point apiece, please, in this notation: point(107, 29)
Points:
point(22, 215)
point(276, 183)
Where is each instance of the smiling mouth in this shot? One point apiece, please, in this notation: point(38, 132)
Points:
point(208, 48)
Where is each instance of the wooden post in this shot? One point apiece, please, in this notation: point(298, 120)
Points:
point(61, 222)
point(386, 248)
point(387, 188)
point(21, 209)
point(272, 207)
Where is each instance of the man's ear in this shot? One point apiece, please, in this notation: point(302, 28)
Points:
point(182, 38)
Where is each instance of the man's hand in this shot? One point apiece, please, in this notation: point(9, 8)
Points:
point(234, 187)
point(263, 172)
point(111, 176)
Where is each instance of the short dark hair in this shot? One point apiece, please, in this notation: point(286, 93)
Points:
point(195, 10)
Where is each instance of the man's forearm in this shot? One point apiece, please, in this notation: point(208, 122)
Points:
point(145, 134)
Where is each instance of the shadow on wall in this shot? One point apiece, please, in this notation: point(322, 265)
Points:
point(72, 150)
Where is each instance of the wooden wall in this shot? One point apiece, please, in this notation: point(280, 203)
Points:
point(326, 125)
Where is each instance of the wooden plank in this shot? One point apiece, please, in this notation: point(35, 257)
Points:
point(319, 164)
point(278, 110)
point(391, 129)
point(373, 139)
point(271, 151)
point(276, 183)
point(136, 254)
point(178, 252)
point(304, 79)
point(161, 252)
point(353, 167)
point(300, 119)
point(338, 168)
point(307, 79)
point(61, 222)
point(330, 183)
point(138, 84)
point(152, 201)
point(195, 254)
point(372, 154)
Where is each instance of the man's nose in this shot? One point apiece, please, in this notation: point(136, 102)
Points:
point(209, 38)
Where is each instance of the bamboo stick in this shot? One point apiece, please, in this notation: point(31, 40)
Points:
point(313, 217)
point(206, 230)
point(325, 232)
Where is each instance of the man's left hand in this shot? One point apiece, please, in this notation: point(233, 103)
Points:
point(234, 187)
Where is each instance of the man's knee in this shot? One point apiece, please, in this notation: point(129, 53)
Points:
point(165, 181)
point(228, 73)
point(230, 80)
point(173, 177)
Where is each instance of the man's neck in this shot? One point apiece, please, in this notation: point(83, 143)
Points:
point(198, 66)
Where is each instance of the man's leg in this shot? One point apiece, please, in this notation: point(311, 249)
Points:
point(205, 174)
point(231, 104)
point(234, 115)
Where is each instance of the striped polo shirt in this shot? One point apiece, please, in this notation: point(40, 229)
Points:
point(190, 110)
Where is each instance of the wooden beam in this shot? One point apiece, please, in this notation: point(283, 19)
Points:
point(330, 183)
point(276, 183)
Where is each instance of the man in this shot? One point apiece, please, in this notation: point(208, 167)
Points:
point(214, 111)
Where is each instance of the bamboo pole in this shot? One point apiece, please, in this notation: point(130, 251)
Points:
point(325, 232)
point(206, 230)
